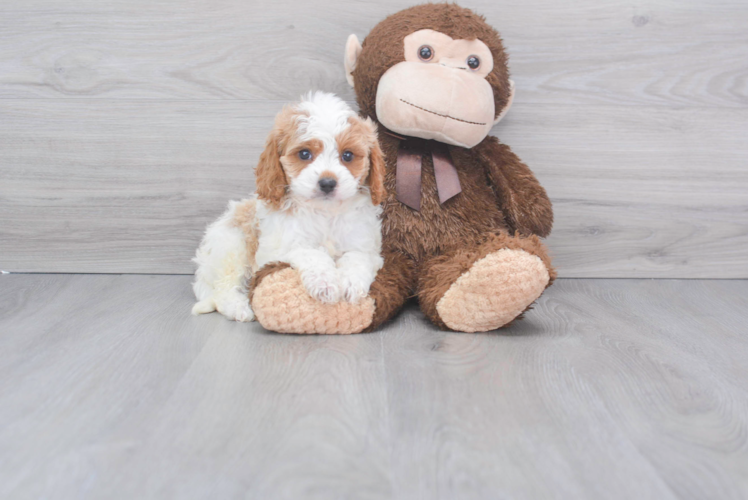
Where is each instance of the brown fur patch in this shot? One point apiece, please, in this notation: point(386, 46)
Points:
point(361, 139)
point(245, 219)
point(292, 164)
point(354, 140)
point(377, 172)
point(439, 273)
point(270, 176)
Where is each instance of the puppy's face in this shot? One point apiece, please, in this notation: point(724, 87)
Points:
point(320, 150)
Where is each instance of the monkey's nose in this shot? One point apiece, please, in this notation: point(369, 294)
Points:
point(326, 184)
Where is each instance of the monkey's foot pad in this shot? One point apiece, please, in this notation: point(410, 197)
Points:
point(494, 291)
point(282, 304)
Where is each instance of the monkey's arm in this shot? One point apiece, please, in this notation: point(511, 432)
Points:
point(521, 197)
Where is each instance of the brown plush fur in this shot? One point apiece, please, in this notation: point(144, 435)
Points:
point(392, 287)
point(524, 201)
point(500, 194)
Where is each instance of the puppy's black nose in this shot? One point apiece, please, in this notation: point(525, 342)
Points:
point(326, 184)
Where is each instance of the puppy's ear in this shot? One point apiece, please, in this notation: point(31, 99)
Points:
point(270, 177)
point(377, 166)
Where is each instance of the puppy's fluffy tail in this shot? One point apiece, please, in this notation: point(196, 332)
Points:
point(204, 306)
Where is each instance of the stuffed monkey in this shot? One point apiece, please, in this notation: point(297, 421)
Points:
point(463, 215)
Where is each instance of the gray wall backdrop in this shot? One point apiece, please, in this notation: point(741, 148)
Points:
point(126, 125)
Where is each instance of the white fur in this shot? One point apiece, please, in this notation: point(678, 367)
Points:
point(223, 270)
point(333, 241)
point(335, 246)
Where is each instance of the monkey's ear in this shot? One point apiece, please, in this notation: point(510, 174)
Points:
point(508, 103)
point(352, 51)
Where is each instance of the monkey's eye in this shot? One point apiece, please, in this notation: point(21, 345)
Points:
point(305, 154)
point(473, 62)
point(426, 53)
point(347, 156)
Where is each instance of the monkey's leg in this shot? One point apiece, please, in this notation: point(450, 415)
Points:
point(281, 303)
point(487, 286)
point(394, 283)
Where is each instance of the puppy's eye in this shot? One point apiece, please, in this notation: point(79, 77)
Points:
point(305, 154)
point(425, 53)
point(473, 62)
point(347, 156)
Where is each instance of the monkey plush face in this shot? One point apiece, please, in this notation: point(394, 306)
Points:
point(444, 75)
point(439, 91)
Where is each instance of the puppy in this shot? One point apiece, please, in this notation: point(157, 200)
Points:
point(316, 207)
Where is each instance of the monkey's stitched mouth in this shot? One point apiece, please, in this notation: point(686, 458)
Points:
point(439, 114)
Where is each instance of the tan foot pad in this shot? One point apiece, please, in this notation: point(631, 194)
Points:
point(495, 290)
point(281, 304)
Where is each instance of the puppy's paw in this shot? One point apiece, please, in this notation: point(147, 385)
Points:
point(322, 285)
point(235, 306)
point(354, 286)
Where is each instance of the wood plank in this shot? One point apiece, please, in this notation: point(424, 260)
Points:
point(126, 186)
point(609, 388)
point(649, 53)
point(121, 186)
point(604, 381)
point(110, 388)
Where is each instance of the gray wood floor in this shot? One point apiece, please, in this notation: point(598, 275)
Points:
point(609, 389)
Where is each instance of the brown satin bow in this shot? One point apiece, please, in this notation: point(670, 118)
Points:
point(408, 176)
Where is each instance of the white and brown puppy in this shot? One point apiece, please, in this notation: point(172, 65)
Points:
point(319, 186)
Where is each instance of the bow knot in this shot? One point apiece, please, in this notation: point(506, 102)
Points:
point(408, 176)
